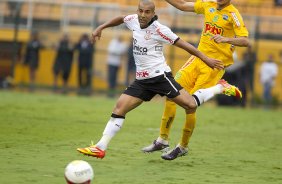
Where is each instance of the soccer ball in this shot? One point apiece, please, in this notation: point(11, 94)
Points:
point(79, 171)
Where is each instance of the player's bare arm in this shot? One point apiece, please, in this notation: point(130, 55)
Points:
point(237, 41)
point(213, 63)
point(182, 5)
point(96, 34)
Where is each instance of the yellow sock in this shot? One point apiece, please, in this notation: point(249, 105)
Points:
point(188, 129)
point(167, 119)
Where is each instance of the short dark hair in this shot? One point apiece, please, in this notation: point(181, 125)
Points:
point(148, 2)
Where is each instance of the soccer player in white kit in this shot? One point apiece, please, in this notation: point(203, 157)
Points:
point(153, 75)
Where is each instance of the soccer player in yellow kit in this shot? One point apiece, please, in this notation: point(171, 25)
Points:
point(223, 30)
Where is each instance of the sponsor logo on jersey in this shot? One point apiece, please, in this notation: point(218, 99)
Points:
point(134, 41)
point(215, 18)
point(142, 74)
point(138, 50)
point(164, 36)
point(212, 10)
point(235, 18)
point(225, 17)
point(158, 48)
point(213, 29)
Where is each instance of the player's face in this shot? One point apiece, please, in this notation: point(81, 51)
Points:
point(223, 2)
point(145, 14)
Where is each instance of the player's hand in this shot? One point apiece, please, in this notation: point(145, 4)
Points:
point(214, 63)
point(219, 39)
point(96, 35)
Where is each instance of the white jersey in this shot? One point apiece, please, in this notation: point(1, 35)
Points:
point(148, 47)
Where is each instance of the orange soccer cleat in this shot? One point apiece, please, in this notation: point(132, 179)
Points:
point(93, 151)
point(229, 89)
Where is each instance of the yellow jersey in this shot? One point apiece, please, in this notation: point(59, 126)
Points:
point(226, 22)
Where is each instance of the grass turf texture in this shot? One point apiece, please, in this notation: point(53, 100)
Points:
point(40, 133)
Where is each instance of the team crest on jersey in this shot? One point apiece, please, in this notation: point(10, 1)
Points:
point(212, 29)
point(212, 10)
point(148, 35)
point(225, 17)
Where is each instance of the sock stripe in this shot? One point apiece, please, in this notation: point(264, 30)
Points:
point(117, 116)
point(197, 100)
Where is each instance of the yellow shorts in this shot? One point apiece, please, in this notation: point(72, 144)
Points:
point(195, 74)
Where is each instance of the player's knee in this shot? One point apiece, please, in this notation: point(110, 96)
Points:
point(187, 104)
point(187, 107)
point(190, 111)
point(191, 104)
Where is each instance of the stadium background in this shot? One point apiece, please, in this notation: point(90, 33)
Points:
point(52, 18)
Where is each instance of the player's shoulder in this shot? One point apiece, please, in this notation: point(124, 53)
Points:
point(233, 9)
point(130, 17)
point(208, 2)
point(235, 14)
point(156, 25)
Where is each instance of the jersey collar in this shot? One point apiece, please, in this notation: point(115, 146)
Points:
point(224, 7)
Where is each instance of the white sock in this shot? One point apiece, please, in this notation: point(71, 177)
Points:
point(112, 127)
point(161, 140)
point(203, 95)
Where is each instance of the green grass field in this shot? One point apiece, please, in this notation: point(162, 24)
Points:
point(39, 134)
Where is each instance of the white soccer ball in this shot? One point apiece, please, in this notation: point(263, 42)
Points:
point(79, 171)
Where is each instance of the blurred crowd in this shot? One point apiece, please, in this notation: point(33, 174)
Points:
point(118, 51)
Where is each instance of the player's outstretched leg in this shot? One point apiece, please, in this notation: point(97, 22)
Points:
point(99, 150)
point(223, 87)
